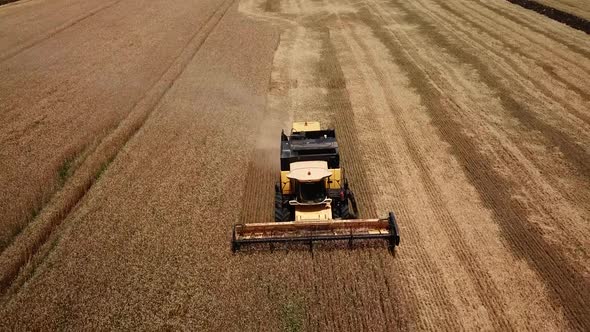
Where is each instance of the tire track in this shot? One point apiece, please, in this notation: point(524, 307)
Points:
point(562, 279)
point(485, 287)
point(26, 246)
point(572, 151)
point(331, 77)
point(27, 45)
point(84, 80)
point(552, 175)
point(328, 75)
point(541, 84)
point(381, 155)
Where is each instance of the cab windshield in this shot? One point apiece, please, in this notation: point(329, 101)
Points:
point(311, 192)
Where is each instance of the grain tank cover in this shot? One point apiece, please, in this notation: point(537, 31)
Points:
point(309, 171)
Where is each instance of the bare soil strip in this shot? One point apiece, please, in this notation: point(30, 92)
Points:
point(579, 8)
point(572, 20)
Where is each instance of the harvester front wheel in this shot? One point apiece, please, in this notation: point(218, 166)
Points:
point(341, 210)
point(345, 212)
point(282, 215)
point(282, 212)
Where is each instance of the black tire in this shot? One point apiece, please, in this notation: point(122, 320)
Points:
point(282, 212)
point(345, 212)
point(282, 215)
point(336, 210)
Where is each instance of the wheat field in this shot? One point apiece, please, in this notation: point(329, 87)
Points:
point(134, 134)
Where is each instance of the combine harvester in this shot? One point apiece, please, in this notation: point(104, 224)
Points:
point(313, 201)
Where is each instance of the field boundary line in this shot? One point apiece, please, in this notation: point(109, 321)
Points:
point(24, 250)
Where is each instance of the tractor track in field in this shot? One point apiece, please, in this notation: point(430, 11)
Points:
point(27, 45)
point(485, 287)
point(76, 87)
point(572, 151)
point(439, 294)
point(577, 155)
point(515, 50)
point(525, 117)
point(25, 248)
point(550, 265)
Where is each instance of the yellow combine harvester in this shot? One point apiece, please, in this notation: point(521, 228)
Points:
point(313, 201)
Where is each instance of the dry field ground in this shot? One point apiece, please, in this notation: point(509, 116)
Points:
point(134, 133)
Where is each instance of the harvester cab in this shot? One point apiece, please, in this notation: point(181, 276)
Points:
point(309, 181)
point(313, 200)
point(310, 199)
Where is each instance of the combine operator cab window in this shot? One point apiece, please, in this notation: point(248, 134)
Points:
point(311, 192)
